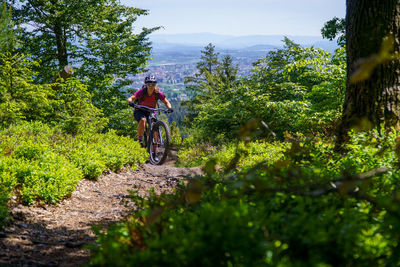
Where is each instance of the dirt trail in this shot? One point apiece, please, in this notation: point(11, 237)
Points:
point(55, 235)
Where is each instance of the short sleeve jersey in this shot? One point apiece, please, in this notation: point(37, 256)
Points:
point(149, 101)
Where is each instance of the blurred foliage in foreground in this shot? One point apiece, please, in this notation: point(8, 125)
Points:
point(43, 164)
point(309, 207)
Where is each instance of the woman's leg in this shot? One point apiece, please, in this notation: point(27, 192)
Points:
point(141, 127)
point(140, 117)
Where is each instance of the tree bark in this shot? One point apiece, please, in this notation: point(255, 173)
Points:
point(62, 55)
point(376, 100)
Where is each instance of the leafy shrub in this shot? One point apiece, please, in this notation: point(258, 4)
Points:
point(123, 121)
point(67, 103)
point(89, 161)
point(20, 98)
point(97, 153)
point(255, 152)
point(49, 178)
point(202, 238)
point(7, 184)
point(176, 135)
point(43, 164)
point(195, 156)
point(83, 154)
point(74, 110)
point(30, 150)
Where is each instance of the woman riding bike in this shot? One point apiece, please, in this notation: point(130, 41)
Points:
point(147, 96)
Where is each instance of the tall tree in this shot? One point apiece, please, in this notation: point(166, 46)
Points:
point(227, 71)
point(373, 81)
point(198, 85)
point(208, 59)
point(7, 37)
point(213, 77)
point(96, 37)
point(83, 33)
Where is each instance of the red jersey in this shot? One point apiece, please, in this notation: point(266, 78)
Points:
point(149, 101)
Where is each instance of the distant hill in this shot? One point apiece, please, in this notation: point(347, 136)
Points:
point(186, 48)
point(165, 46)
point(195, 40)
point(261, 48)
point(201, 39)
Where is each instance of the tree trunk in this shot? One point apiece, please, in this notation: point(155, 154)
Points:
point(62, 55)
point(376, 100)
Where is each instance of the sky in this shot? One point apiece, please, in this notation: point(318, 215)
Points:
point(239, 17)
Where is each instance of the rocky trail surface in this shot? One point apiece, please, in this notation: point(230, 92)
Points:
point(55, 235)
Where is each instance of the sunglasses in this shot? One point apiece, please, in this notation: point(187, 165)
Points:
point(151, 83)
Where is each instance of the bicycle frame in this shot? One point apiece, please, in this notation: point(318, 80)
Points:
point(150, 121)
point(158, 141)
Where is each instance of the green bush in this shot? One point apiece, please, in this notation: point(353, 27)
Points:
point(215, 234)
point(20, 98)
point(97, 153)
point(73, 109)
point(49, 178)
point(66, 103)
point(195, 156)
point(42, 163)
point(255, 152)
point(7, 184)
point(83, 153)
point(88, 160)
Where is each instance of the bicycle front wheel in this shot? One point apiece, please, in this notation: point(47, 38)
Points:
point(160, 143)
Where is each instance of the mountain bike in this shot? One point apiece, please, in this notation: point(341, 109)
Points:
point(157, 137)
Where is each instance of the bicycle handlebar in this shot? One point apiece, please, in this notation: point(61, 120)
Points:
point(166, 110)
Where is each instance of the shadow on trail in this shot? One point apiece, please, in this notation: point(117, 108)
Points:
point(34, 244)
point(57, 235)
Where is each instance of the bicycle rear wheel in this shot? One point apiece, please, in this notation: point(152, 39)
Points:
point(159, 143)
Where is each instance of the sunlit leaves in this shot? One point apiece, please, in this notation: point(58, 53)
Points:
point(7, 36)
point(19, 97)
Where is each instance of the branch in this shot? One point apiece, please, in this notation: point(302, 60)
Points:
point(345, 186)
point(40, 13)
point(269, 129)
point(370, 174)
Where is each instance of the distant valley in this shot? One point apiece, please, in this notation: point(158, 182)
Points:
point(186, 48)
point(234, 42)
point(174, 56)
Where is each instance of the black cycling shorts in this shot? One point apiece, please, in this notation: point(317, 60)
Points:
point(139, 114)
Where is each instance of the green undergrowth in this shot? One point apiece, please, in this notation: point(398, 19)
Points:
point(42, 164)
point(255, 152)
point(312, 206)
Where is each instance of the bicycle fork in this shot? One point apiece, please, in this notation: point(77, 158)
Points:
point(156, 135)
